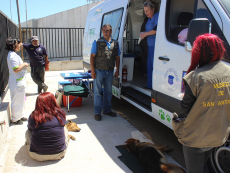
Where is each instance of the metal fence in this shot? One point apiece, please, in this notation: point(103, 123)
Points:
point(7, 29)
point(59, 42)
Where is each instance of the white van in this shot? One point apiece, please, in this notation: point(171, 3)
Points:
point(171, 58)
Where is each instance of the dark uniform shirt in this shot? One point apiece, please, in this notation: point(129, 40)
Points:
point(36, 54)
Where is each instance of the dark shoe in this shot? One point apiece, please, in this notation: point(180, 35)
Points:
point(24, 119)
point(45, 88)
point(19, 122)
point(112, 114)
point(97, 117)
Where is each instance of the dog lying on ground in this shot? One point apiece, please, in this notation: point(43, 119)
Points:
point(152, 157)
point(71, 126)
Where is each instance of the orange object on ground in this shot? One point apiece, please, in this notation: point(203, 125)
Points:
point(47, 66)
point(77, 102)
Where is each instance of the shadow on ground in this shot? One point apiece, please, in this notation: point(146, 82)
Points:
point(23, 158)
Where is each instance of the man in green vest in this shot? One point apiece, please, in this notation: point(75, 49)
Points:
point(104, 53)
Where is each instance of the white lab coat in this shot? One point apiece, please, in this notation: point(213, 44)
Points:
point(17, 85)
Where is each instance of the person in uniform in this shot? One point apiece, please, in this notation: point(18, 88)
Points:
point(204, 122)
point(39, 62)
point(105, 51)
point(151, 11)
point(17, 81)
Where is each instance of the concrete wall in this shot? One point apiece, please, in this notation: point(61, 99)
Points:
point(4, 115)
point(73, 18)
point(63, 65)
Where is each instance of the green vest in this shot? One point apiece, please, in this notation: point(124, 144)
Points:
point(208, 122)
point(105, 58)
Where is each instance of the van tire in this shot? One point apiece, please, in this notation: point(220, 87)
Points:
point(219, 162)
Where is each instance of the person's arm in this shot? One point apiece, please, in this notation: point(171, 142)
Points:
point(92, 58)
point(46, 58)
point(145, 34)
point(20, 67)
point(187, 103)
point(117, 63)
point(30, 124)
point(93, 73)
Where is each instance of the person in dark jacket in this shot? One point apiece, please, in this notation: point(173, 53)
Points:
point(204, 122)
point(38, 61)
point(46, 137)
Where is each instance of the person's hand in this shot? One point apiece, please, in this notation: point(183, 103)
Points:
point(143, 35)
point(26, 64)
point(93, 74)
point(116, 74)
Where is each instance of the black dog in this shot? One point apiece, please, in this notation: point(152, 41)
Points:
point(152, 157)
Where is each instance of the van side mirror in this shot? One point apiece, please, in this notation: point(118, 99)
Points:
point(196, 27)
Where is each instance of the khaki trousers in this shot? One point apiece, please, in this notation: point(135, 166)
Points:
point(40, 157)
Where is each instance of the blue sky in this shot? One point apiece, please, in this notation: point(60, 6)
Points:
point(37, 8)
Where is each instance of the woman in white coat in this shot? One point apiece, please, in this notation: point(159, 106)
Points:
point(17, 81)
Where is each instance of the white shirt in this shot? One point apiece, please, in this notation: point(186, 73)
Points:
point(16, 80)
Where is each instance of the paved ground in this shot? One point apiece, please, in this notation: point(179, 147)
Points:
point(93, 151)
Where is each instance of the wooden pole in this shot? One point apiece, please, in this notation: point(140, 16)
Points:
point(20, 31)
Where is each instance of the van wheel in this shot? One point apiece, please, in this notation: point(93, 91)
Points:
point(220, 159)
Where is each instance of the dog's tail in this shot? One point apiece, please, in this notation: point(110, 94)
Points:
point(171, 168)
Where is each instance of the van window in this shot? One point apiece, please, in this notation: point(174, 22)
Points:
point(114, 19)
point(203, 12)
point(178, 15)
point(226, 6)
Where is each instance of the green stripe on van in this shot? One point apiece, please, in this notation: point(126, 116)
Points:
point(15, 67)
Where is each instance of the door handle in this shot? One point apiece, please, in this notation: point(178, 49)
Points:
point(163, 58)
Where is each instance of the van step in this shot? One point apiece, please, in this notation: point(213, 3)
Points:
point(137, 96)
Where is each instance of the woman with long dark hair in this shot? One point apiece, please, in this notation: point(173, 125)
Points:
point(17, 81)
point(46, 137)
point(204, 122)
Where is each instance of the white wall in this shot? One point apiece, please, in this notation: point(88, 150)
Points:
point(73, 18)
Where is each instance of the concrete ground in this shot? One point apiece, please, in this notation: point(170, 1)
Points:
point(93, 151)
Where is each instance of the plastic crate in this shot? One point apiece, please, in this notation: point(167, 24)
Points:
point(76, 101)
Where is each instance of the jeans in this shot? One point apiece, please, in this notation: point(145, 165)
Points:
point(196, 158)
point(103, 77)
point(150, 65)
point(38, 76)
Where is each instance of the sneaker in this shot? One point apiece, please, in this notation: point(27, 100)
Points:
point(112, 114)
point(24, 119)
point(97, 117)
point(19, 122)
point(45, 88)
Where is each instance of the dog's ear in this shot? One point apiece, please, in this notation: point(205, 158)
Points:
point(69, 121)
point(129, 140)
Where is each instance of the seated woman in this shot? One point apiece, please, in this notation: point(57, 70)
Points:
point(46, 137)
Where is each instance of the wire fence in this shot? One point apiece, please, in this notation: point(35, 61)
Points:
point(7, 29)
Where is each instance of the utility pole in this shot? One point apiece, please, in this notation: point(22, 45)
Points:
point(26, 22)
point(20, 31)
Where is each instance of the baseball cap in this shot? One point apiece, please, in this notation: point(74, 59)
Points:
point(34, 38)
